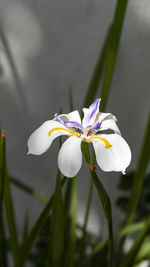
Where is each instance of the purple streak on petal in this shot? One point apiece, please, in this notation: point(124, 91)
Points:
point(73, 124)
point(93, 110)
point(58, 118)
point(97, 125)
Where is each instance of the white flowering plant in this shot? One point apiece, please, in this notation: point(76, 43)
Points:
point(57, 239)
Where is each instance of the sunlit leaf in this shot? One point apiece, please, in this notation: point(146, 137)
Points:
point(130, 257)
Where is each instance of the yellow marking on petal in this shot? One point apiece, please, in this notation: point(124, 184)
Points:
point(62, 129)
point(107, 144)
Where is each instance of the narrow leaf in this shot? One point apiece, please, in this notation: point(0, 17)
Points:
point(57, 228)
point(10, 211)
point(28, 189)
point(26, 226)
point(36, 229)
point(72, 232)
point(3, 257)
point(95, 80)
point(139, 175)
point(130, 258)
point(143, 253)
point(106, 204)
point(112, 49)
point(86, 216)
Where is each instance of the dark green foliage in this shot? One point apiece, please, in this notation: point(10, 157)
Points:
point(143, 207)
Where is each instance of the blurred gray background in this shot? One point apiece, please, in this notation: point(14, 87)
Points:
point(55, 45)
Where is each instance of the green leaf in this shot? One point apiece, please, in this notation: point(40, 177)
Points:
point(126, 230)
point(86, 216)
point(3, 257)
point(26, 226)
point(129, 229)
point(106, 204)
point(139, 175)
point(95, 80)
point(103, 195)
point(57, 227)
point(36, 229)
point(26, 188)
point(9, 209)
point(112, 49)
point(70, 249)
point(130, 257)
point(143, 253)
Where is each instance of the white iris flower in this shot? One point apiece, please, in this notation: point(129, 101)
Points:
point(112, 151)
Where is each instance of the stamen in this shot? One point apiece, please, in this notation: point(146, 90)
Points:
point(107, 144)
point(63, 129)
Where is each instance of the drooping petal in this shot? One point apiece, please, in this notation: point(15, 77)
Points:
point(110, 124)
point(72, 116)
point(70, 156)
point(90, 113)
point(73, 124)
point(106, 116)
point(114, 158)
point(69, 124)
point(41, 139)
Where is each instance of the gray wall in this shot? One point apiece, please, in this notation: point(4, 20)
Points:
point(55, 44)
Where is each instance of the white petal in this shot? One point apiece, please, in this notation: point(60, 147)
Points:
point(70, 156)
point(110, 124)
point(117, 158)
point(91, 113)
point(104, 116)
point(40, 141)
point(72, 116)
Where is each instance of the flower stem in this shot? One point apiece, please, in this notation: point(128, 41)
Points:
point(105, 200)
point(106, 204)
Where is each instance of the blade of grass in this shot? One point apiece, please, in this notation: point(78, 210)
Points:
point(130, 258)
point(139, 175)
point(112, 49)
point(143, 253)
point(137, 185)
point(3, 257)
point(95, 80)
point(36, 229)
point(57, 227)
point(105, 200)
point(10, 214)
point(28, 189)
point(86, 216)
point(73, 219)
point(26, 227)
point(126, 230)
